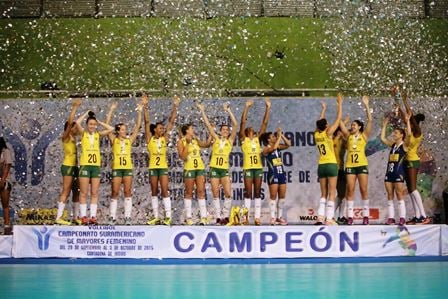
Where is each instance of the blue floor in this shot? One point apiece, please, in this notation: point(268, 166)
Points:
point(368, 279)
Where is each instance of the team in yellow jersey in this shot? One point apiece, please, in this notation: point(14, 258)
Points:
point(219, 163)
point(327, 169)
point(157, 137)
point(69, 167)
point(335, 143)
point(122, 164)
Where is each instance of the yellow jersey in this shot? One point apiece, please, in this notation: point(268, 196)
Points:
point(251, 153)
point(220, 153)
point(157, 148)
point(70, 153)
point(121, 149)
point(356, 151)
point(339, 151)
point(325, 146)
point(90, 149)
point(194, 159)
point(414, 143)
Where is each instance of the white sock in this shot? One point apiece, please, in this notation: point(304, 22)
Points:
point(75, 208)
point(83, 210)
point(93, 208)
point(202, 208)
point(321, 209)
point(273, 207)
point(342, 207)
point(390, 209)
point(350, 204)
point(227, 207)
point(419, 202)
point(257, 208)
point(155, 206)
point(365, 208)
point(187, 206)
point(401, 209)
point(113, 208)
point(127, 207)
point(280, 206)
point(247, 203)
point(61, 207)
point(414, 205)
point(330, 210)
point(167, 206)
point(217, 206)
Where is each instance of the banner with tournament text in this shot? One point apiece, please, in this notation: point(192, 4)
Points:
point(225, 242)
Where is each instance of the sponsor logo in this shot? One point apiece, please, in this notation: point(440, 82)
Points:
point(43, 237)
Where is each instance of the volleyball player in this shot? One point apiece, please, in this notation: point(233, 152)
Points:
point(252, 167)
point(90, 165)
point(189, 149)
point(395, 172)
point(219, 163)
point(356, 164)
point(273, 145)
point(122, 165)
point(327, 170)
point(412, 159)
point(157, 137)
point(69, 167)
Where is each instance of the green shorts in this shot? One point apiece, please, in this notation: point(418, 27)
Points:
point(413, 164)
point(218, 172)
point(89, 171)
point(119, 173)
point(158, 172)
point(327, 170)
point(192, 174)
point(70, 171)
point(253, 173)
point(357, 170)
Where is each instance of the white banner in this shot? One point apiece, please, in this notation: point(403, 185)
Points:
point(225, 242)
point(444, 239)
point(5, 246)
point(35, 140)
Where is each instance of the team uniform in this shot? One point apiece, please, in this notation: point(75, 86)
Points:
point(356, 162)
point(90, 161)
point(395, 171)
point(328, 166)
point(276, 172)
point(219, 162)
point(252, 167)
point(158, 164)
point(193, 165)
point(122, 163)
point(412, 158)
point(69, 166)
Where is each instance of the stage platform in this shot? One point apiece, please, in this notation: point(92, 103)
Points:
point(222, 245)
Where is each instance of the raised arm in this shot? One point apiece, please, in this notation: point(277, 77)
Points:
point(244, 119)
point(368, 129)
point(145, 103)
point(205, 143)
point(207, 122)
point(286, 144)
point(172, 119)
point(138, 123)
point(264, 123)
point(109, 118)
point(269, 149)
point(343, 126)
point(407, 139)
point(107, 128)
point(66, 134)
point(80, 120)
point(234, 122)
point(336, 123)
point(383, 133)
point(324, 110)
